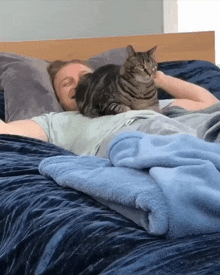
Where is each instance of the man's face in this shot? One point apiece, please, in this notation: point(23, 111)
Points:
point(65, 83)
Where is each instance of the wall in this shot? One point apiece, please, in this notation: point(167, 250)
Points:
point(200, 16)
point(192, 16)
point(170, 16)
point(52, 19)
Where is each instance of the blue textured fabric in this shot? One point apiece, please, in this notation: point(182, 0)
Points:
point(174, 179)
point(187, 170)
point(48, 229)
point(126, 188)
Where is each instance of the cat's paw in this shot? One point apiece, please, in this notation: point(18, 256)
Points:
point(118, 108)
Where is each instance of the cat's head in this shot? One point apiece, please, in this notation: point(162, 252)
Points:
point(139, 62)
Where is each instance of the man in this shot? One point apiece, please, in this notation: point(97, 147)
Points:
point(59, 128)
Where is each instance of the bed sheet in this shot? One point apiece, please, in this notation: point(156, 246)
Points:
point(47, 229)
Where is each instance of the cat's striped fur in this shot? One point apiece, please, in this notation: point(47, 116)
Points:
point(113, 89)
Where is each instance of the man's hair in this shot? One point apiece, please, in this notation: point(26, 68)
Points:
point(55, 66)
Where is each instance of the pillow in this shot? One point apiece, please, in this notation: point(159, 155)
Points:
point(27, 88)
point(2, 106)
point(115, 56)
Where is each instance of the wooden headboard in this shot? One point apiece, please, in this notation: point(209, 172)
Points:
point(171, 47)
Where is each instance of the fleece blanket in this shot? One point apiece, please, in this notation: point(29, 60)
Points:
point(169, 185)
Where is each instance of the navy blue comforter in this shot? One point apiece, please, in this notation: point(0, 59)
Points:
point(48, 229)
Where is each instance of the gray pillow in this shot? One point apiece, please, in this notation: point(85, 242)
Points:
point(27, 88)
point(115, 56)
point(28, 91)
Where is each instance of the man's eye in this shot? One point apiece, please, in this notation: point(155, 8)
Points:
point(66, 84)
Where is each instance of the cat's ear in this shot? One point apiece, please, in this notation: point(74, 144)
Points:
point(131, 52)
point(152, 51)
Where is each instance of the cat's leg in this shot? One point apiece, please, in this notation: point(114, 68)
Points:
point(116, 108)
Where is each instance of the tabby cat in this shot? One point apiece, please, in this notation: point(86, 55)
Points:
point(113, 89)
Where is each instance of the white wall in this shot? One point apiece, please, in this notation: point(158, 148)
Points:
point(201, 15)
point(54, 19)
point(170, 16)
point(193, 15)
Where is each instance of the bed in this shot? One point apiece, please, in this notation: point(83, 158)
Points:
point(47, 228)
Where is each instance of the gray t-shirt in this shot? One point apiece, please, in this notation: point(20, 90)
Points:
point(83, 135)
point(91, 136)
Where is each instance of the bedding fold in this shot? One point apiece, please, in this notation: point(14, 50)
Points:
point(169, 185)
point(130, 192)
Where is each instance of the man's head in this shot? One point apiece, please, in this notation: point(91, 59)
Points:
point(65, 76)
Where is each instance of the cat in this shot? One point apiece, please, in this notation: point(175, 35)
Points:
point(113, 89)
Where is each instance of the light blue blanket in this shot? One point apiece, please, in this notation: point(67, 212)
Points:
point(169, 185)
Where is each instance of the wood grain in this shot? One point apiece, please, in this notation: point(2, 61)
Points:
point(171, 47)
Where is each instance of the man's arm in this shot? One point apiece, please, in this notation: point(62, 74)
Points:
point(187, 95)
point(26, 128)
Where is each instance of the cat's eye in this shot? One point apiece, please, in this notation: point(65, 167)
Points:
point(140, 67)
